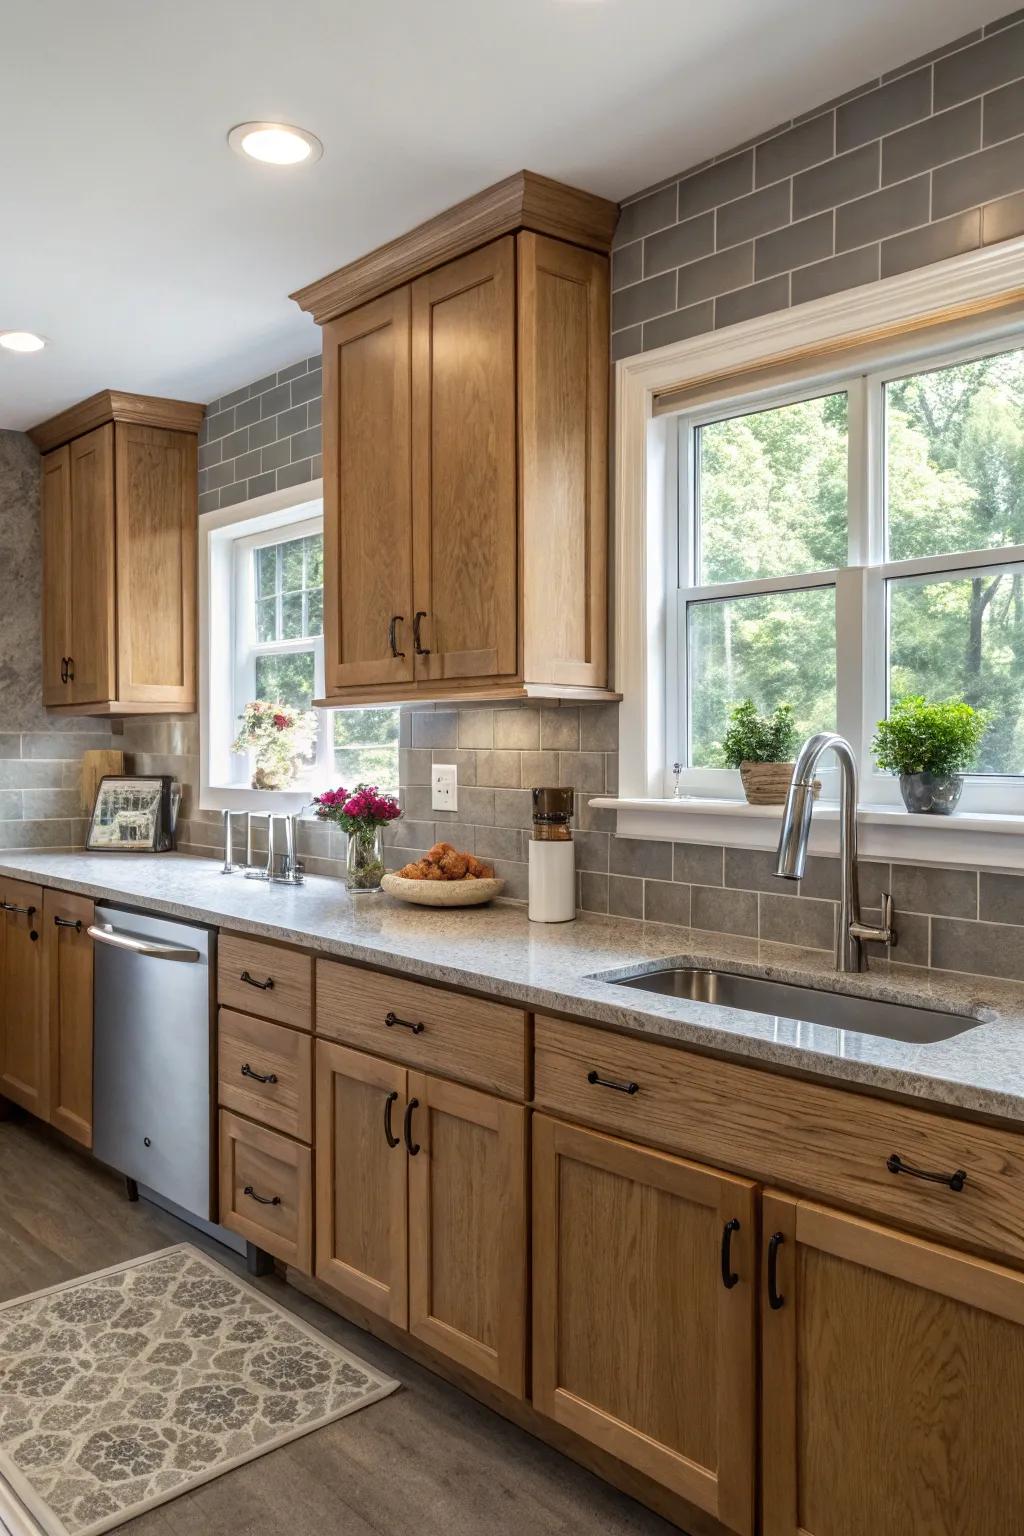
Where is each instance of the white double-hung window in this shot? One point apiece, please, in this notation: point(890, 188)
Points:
point(847, 543)
point(262, 588)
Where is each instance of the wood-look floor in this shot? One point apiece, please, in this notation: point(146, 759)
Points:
point(427, 1461)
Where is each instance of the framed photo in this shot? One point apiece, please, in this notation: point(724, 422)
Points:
point(133, 814)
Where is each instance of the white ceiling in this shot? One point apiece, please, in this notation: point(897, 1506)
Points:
point(157, 260)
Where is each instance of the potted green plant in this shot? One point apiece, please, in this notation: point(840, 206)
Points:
point(930, 746)
point(762, 748)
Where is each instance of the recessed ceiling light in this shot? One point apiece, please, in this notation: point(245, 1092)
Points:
point(275, 143)
point(22, 341)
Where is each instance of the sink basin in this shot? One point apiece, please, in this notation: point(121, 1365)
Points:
point(837, 1010)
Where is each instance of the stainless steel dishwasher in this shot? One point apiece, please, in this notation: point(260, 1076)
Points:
point(153, 1054)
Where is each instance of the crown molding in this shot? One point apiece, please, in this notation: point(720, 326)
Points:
point(522, 201)
point(116, 405)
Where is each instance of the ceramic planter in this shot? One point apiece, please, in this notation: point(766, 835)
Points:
point(934, 794)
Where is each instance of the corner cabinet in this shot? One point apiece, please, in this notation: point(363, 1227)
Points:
point(119, 556)
point(465, 454)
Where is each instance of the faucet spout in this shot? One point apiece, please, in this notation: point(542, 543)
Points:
point(795, 835)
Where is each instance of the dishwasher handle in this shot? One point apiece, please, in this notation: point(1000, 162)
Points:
point(154, 949)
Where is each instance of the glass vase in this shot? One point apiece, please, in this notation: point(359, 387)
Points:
point(364, 861)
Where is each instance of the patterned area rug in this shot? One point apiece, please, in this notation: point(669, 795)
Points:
point(123, 1389)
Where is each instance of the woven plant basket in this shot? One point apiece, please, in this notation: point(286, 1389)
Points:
point(768, 783)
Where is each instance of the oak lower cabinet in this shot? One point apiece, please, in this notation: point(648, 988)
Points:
point(892, 1368)
point(68, 957)
point(644, 1312)
point(421, 1208)
point(24, 1053)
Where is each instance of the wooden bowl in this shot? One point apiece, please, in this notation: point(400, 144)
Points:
point(442, 893)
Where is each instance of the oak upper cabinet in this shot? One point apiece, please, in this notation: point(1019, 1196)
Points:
point(465, 448)
point(119, 555)
point(68, 1034)
point(644, 1312)
point(464, 467)
point(421, 1208)
point(24, 1047)
point(888, 1367)
point(368, 496)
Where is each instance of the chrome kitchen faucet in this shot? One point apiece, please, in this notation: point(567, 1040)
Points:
point(796, 830)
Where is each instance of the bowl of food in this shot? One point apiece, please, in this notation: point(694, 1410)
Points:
point(444, 877)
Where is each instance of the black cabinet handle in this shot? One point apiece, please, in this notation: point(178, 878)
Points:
point(63, 669)
point(389, 1135)
point(264, 986)
point(259, 1077)
point(609, 1082)
point(261, 1199)
point(396, 619)
point(956, 1180)
point(71, 670)
point(391, 1019)
point(775, 1242)
point(66, 922)
point(729, 1275)
point(421, 650)
point(9, 906)
point(410, 1146)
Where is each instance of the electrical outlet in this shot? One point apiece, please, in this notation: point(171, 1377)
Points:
point(444, 787)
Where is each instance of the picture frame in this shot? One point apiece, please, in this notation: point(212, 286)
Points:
point(134, 813)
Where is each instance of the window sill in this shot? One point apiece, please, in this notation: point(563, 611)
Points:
point(972, 839)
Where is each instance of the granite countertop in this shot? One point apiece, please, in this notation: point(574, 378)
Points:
point(564, 968)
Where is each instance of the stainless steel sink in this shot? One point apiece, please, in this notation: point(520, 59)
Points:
point(838, 1010)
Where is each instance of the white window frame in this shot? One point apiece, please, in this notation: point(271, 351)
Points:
point(860, 586)
point(269, 520)
point(247, 647)
point(975, 298)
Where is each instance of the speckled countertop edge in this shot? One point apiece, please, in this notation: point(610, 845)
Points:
point(570, 968)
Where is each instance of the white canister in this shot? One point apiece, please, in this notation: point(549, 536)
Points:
point(552, 856)
point(552, 881)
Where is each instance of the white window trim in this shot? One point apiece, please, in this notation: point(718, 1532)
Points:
point(646, 520)
point(217, 535)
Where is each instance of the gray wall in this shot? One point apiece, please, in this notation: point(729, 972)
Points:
point(39, 753)
point(261, 438)
point(925, 163)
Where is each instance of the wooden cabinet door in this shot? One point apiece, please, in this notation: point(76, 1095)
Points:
point(361, 1190)
point(92, 677)
point(368, 496)
point(156, 566)
point(888, 1365)
point(639, 1345)
point(563, 466)
point(56, 574)
point(467, 1228)
point(464, 466)
point(24, 1065)
point(68, 950)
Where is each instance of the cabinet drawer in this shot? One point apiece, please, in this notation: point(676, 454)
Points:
point(813, 1139)
point(266, 1072)
point(266, 1189)
point(267, 979)
point(479, 1042)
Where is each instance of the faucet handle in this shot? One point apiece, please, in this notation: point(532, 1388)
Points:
point(885, 933)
